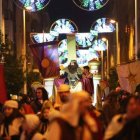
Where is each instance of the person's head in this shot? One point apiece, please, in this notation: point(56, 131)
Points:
point(86, 69)
point(73, 62)
point(9, 107)
point(47, 106)
point(72, 67)
point(82, 99)
point(64, 92)
point(31, 123)
point(131, 109)
point(123, 97)
point(112, 97)
point(25, 99)
point(41, 93)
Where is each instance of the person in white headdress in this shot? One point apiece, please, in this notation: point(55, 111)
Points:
point(12, 121)
point(75, 122)
point(62, 96)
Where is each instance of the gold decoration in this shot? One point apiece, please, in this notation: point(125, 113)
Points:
point(61, 67)
point(45, 63)
point(131, 78)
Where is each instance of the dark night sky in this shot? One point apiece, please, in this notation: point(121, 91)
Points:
point(83, 19)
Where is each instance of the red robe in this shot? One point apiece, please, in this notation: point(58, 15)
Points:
point(87, 83)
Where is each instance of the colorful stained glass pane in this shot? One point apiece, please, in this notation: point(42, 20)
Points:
point(99, 45)
point(32, 5)
point(103, 25)
point(63, 53)
point(84, 56)
point(42, 37)
point(90, 5)
point(84, 40)
point(63, 26)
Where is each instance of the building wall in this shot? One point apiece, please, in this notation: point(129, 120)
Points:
point(125, 14)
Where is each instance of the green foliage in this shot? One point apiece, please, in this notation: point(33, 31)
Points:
point(14, 75)
point(113, 78)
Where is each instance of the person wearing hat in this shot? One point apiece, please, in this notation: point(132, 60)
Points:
point(30, 128)
point(75, 121)
point(10, 127)
point(62, 97)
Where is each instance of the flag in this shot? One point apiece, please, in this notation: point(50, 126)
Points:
point(3, 93)
point(129, 76)
point(47, 58)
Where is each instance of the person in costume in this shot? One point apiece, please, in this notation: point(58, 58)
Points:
point(87, 81)
point(73, 74)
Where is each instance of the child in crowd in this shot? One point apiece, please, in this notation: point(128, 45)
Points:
point(44, 117)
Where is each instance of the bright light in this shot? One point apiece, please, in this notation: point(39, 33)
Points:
point(32, 5)
point(42, 37)
point(100, 45)
point(113, 21)
point(63, 53)
point(84, 40)
point(104, 39)
point(90, 5)
point(63, 26)
point(29, 8)
point(103, 25)
point(84, 56)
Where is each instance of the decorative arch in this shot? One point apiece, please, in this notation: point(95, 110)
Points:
point(63, 26)
point(32, 5)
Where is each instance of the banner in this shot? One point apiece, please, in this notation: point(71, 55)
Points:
point(47, 58)
point(129, 76)
point(3, 93)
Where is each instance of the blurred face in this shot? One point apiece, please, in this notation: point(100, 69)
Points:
point(132, 108)
point(64, 96)
point(86, 70)
point(46, 113)
point(84, 104)
point(72, 63)
point(8, 111)
point(103, 85)
point(22, 111)
point(39, 93)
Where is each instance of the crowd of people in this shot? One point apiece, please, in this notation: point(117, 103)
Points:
point(70, 114)
point(71, 117)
